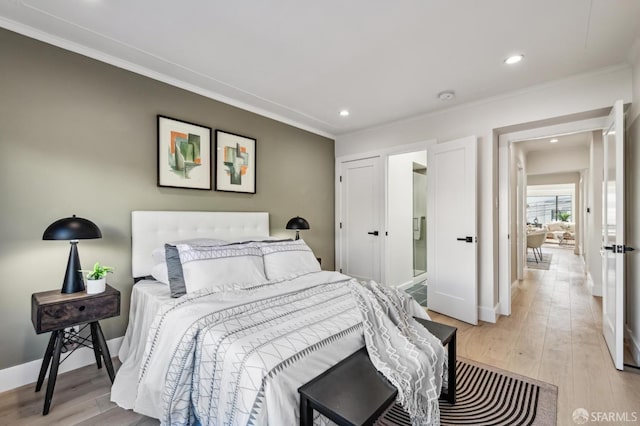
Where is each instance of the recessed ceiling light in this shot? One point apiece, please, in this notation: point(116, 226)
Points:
point(344, 113)
point(553, 141)
point(514, 59)
point(446, 95)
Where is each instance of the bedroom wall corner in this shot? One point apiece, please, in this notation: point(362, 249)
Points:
point(78, 136)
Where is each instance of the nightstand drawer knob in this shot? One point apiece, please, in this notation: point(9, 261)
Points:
point(81, 308)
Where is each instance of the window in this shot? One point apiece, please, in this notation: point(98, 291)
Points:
point(542, 209)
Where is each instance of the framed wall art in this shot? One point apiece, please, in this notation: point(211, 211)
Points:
point(184, 154)
point(235, 163)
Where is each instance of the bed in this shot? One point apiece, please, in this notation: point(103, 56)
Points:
point(235, 349)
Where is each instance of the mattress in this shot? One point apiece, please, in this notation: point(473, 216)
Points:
point(145, 395)
point(146, 299)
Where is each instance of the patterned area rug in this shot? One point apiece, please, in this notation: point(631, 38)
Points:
point(542, 264)
point(490, 396)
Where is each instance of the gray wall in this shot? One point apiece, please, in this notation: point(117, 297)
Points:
point(78, 136)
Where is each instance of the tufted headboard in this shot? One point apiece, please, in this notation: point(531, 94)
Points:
point(151, 229)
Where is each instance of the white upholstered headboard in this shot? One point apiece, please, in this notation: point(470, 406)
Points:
point(151, 229)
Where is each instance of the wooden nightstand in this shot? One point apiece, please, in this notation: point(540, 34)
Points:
point(53, 311)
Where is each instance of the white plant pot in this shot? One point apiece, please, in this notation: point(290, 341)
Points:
point(96, 286)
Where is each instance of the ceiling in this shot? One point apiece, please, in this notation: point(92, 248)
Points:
point(302, 62)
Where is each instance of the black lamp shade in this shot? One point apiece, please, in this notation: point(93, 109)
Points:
point(72, 229)
point(297, 223)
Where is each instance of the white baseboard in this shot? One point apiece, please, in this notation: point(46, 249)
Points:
point(24, 374)
point(634, 344)
point(489, 314)
point(594, 289)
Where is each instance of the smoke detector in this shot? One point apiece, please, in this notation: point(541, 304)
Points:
point(447, 95)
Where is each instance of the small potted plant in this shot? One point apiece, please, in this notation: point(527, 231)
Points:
point(97, 278)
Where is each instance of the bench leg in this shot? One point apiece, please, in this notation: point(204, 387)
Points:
point(451, 392)
point(306, 412)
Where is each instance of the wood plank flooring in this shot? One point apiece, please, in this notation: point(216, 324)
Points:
point(552, 335)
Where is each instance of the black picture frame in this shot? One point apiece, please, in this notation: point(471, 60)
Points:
point(184, 154)
point(235, 162)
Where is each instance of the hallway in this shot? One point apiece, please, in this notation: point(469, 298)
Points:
point(554, 335)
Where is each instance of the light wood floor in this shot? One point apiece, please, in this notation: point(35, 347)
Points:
point(552, 335)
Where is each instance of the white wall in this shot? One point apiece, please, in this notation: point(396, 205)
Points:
point(400, 216)
point(560, 98)
point(557, 161)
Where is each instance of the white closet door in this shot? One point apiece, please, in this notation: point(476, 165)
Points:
point(360, 218)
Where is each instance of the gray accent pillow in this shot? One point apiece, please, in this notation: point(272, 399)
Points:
point(174, 269)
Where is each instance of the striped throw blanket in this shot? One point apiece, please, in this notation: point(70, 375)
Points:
point(410, 357)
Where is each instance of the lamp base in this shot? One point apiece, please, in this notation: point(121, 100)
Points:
point(73, 281)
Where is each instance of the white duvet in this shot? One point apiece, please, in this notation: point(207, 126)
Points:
point(235, 357)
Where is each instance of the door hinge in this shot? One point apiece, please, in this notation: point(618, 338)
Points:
point(340, 178)
point(340, 225)
point(340, 270)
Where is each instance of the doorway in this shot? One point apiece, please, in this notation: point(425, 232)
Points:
point(534, 150)
point(419, 221)
point(406, 218)
point(551, 222)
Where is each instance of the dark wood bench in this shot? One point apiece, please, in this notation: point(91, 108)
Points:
point(353, 392)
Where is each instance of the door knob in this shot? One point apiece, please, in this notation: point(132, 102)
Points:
point(373, 233)
point(466, 239)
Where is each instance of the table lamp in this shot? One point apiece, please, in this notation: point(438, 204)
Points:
point(72, 229)
point(297, 223)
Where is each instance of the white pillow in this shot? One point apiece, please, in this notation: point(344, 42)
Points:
point(160, 273)
point(191, 268)
point(288, 259)
point(158, 254)
point(555, 226)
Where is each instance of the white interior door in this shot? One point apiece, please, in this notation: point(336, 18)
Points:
point(360, 232)
point(452, 279)
point(613, 252)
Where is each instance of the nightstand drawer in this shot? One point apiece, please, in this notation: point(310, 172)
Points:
point(69, 310)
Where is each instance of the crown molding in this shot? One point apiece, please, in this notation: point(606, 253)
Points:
point(63, 43)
